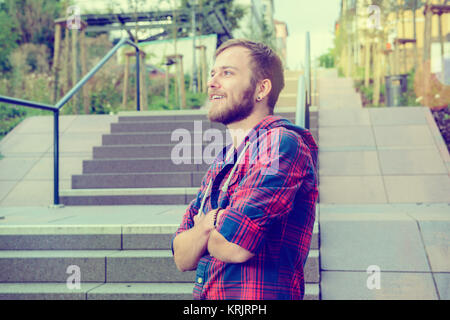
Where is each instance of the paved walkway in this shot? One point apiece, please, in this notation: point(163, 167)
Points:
point(384, 199)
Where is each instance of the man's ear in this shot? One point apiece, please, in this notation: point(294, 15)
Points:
point(263, 89)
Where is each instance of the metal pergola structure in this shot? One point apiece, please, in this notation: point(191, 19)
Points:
point(213, 22)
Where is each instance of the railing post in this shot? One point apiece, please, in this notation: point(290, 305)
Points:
point(138, 80)
point(56, 157)
point(308, 69)
point(307, 115)
point(301, 102)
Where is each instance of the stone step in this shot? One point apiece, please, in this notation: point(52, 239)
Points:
point(164, 126)
point(176, 115)
point(290, 86)
point(157, 118)
point(111, 291)
point(110, 266)
point(175, 127)
point(192, 126)
point(292, 73)
point(127, 196)
point(88, 237)
point(94, 266)
point(312, 267)
point(175, 150)
point(134, 180)
point(287, 100)
point(97, 237)
point(165, 118)
point(168, 137)
point(147, 138)
point(141, 166)
point(142, 291)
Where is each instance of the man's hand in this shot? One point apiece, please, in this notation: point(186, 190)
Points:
point(205, 222)
point(190, 245)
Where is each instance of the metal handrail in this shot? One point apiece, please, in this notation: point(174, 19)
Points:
point(304, 90)
point(57, 107)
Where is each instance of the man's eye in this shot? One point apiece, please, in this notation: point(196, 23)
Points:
point(227, 73)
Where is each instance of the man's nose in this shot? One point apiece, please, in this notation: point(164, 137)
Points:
point(213, 82)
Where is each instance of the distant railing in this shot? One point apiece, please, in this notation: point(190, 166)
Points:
point(304, 90)
point(57, 107)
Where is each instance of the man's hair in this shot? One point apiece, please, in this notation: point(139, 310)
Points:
point(266, 64)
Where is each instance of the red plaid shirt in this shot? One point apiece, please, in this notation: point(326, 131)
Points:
point(269, 209)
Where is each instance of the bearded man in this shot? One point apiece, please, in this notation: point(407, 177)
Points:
point(248, 232)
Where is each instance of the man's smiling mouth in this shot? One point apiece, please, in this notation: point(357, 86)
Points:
point(216, 97)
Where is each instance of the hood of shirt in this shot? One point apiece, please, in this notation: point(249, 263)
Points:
point(272, 121)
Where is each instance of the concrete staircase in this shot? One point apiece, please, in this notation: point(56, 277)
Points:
point(134, 166)
point(134, 163)
point(113, 262)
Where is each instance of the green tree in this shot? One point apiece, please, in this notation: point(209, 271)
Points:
point(9, 36)
point(267, 34)
point(33, 19)
point(231, 11)
point(326, 60)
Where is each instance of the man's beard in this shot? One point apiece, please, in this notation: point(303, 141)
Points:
point(235, 113)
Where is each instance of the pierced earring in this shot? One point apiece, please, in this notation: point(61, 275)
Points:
point(258, 99)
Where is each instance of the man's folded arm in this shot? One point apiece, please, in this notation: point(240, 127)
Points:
point(188, 247)
point(220, 248)
point(259, 200)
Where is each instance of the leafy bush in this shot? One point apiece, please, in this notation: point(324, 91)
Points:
point(327, 60)
point(105, 101)
point(410, 98)
point(159, 103)
point(195, 100)
point(9, 118)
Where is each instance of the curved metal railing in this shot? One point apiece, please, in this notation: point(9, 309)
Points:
point(58, 106)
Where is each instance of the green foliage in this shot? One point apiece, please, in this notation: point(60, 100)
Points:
point(326, 60)
point(195, 100)
point(267, 35)
point(159, 103)
point(8, 40)
point(410, 95)
point(157, 100)
point(105, 101)
point(34, 19)
point(9, 118)
point(367, 92)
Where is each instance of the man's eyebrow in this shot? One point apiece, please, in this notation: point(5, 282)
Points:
point(224, 67)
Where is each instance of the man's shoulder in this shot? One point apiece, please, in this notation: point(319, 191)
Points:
point(285, 134)
point(291, 141)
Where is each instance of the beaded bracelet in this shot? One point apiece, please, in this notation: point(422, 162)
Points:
point(215, 217)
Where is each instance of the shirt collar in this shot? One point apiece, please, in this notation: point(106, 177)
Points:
point(264, 124)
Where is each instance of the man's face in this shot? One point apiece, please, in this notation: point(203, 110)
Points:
point(231, 94)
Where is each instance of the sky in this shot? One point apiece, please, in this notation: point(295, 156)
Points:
point(316, 16)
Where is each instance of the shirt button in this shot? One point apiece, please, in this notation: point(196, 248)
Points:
point(200, 280)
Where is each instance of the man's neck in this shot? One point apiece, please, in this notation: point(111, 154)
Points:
point(239, 130)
